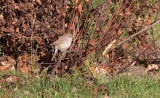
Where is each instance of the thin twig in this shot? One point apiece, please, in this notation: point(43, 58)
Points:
point(58, 63)
point(134, 35)
point(138, 56)
point(32, 26)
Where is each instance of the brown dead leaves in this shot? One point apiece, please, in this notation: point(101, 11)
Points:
point(23, 63)
point(80, 8)
point(7, 64)
point(152, 67)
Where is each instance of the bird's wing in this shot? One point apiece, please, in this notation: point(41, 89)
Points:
point(59, 41)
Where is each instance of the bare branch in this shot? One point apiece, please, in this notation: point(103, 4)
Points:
point(134, 35)
point(58, 63)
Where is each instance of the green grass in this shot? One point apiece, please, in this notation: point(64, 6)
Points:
point(72, 86)
point(140, 87)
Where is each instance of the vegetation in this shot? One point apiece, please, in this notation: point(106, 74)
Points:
point(114, 52)
point(78, 86)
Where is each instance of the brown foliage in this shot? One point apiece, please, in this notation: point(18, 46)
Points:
point(28, 27)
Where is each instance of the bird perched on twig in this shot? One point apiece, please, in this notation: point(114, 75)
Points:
point(62, 44)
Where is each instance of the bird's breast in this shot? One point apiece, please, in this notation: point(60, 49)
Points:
point(65, 44)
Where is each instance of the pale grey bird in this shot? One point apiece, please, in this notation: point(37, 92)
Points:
point(62, 44)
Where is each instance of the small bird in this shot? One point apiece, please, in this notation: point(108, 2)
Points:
point(62, 44)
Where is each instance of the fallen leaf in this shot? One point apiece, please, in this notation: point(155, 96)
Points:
point(152, 73)
point(95, 90)
point(85, 83)
point(66, 25)
point(3, 81)
point(109, 46)
point(56, 93)
point(1, 17)
point(129, 29)
point(7, 66)
point(121, 14)
point(50, 6)
point(64, 14)
point(15, 89)
point(17, 29)
point(10, 29)
point(11, 79)
point(24, 27)
point(80, 8)
point(25, 70)
point(106, 56)
point(67, 7)
point(87, 1)
point(42, 53)
point(124, 45)
point(26, 92)
point(16, 6)
point(119, 32)
point(105, 96)
point(128, 12)
point(101, 87)
point(11, 60)
point(92, 42)
point(39, 2)
point(5, 96)
point(152, 66)
point(76, 1)
point(58, 11)
point(65, 67)
point(10, 92)
point(74, 89)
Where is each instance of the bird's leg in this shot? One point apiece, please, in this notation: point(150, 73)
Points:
point(55, 52)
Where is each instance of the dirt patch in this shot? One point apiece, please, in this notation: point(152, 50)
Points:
point(137, 71)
